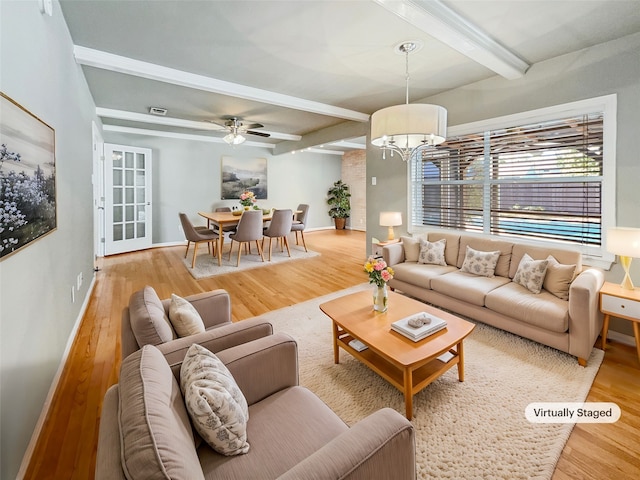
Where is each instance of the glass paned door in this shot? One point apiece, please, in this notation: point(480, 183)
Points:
point(128, 198)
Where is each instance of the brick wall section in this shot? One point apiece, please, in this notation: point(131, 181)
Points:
point(354, 173)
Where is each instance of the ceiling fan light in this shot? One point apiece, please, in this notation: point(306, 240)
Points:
point(234, 139)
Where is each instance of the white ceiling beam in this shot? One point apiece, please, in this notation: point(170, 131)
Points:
point(129, 66)
point(440, 22)
point(181, 136)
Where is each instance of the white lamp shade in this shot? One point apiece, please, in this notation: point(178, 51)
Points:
point(390, 219)
point(624, 241)
point(409, 125)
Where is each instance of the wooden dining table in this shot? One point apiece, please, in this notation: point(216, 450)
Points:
point(225, 219)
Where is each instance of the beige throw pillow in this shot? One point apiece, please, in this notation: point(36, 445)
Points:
point(558, 278)
point(218, 409)
point(531, 273)
point(480, 263)
point(411, 249)
point(432, 252)
point(184, 317)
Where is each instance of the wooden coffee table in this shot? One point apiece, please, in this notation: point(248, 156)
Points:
point(409, 366)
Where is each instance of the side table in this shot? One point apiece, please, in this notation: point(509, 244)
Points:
point(623, 303)
point(377, 247)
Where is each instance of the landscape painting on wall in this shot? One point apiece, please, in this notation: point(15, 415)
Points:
point(27, 177)
point(244, 174)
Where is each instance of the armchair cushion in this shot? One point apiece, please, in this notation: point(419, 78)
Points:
point(216, 405)
point(149, 321)
point(184, 317)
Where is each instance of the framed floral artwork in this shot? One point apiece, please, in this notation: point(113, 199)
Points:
point(241, 175)
point(27, 177)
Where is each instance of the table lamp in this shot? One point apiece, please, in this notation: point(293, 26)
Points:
point(390, 219)
point(624, 242)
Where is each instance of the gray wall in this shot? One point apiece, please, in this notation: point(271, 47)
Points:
point(36, 312)
point(186, 178)
point(605, 69)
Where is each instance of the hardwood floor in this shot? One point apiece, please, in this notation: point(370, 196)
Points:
point(67, 445)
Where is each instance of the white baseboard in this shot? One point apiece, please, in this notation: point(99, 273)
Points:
point(621, 337)
point(26, 459)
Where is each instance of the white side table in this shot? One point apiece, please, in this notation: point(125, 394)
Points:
point(623, 303)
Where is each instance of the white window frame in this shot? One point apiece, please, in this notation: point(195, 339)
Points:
point(608, 104)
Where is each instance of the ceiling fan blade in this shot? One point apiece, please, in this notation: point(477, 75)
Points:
point(254, 125)
point(260, 134)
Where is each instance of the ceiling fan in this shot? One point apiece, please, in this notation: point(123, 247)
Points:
point(237, 129)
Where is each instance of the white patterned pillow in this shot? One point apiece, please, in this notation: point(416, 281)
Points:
point(432, 252)
point(184, 317)
point(530, 273)
point(217, 407)
point(480, 263)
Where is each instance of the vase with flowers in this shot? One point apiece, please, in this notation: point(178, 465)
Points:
point(247, 199)
point(379, 274)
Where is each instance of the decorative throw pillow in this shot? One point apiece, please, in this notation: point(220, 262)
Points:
point(558, 278)
point(432, 252)
point(480, 263)
point(217, 407)
point(411, 248)
point(184, 317)
point(531, 273)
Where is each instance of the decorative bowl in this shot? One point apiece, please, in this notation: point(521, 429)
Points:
point(266, 211)
point(236, 213)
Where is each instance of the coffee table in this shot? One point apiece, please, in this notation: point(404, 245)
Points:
point(409, 366)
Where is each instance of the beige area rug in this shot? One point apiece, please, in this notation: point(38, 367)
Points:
point(471, 430)
point(207, 265)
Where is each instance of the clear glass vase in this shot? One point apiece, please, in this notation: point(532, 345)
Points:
point(380, 298)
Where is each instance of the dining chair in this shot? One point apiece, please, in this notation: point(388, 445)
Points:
point(279, 227)
point(249, 229)
point(300, 223)
point(197, 236)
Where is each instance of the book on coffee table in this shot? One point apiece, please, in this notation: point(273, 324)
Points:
point(428, 325)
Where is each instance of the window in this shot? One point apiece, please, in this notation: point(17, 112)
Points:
point(532, 177)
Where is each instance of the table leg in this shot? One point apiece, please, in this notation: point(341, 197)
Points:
point(219, 252)
point(336, 349)
point(636, 332)
point(408, 393)
point(460, 362)
point(605, 329)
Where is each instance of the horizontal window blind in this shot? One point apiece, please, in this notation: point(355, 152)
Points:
point(541, 180)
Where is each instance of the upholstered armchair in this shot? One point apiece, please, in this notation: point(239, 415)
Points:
point(146, 321)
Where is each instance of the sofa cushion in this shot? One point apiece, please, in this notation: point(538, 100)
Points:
point(419, 274)
point(566, 257)
point(531, 273)
point(184, 318)
point(543, 310)
point(411, 246)
point(487, 245)
point(217, 407)
point(432, 252)
point(149, 320)
point(466, 286)
point(155, 433)
point(284, 428)
point(558, 278)
point(452, 246)
point(480, 263)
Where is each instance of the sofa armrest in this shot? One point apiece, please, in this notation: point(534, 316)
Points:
point(217, 339)
point(381, 445)
point(263, 367)
point(108, 458)
point(585, 318)
point(214, 307)
point(393, 254)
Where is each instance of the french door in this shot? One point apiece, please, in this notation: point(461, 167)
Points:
point(127, 198)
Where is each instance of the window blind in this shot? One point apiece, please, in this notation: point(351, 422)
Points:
point(540, 180)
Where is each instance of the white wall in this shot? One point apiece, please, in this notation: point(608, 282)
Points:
point(36, 312)
point(186, 178)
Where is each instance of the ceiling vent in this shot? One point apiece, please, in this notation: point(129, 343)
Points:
point(158, 111)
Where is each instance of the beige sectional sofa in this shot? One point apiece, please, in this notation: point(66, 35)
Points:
point(145, 429)
point(563, 315)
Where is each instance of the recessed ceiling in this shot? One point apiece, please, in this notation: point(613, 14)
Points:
point(300, 67)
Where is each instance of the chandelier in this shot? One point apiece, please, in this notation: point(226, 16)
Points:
point(405, 129)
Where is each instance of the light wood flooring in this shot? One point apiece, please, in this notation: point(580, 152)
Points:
point(66, 448)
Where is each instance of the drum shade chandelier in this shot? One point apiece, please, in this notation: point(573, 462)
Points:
point(405, 129)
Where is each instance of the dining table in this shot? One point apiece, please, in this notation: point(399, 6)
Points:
point(225, 219)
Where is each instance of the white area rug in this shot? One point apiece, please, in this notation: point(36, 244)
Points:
point(207, 265)
point(471, 430)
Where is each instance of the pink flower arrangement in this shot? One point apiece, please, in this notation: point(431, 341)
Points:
point(247, 199)
point(378, 270)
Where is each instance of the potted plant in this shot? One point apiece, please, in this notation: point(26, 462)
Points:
point(340, 204)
